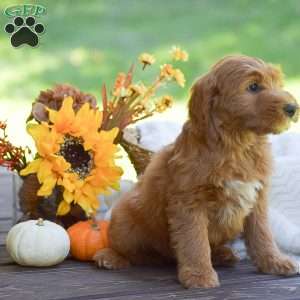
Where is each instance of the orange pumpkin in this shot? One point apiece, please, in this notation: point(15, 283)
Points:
point(87, 237)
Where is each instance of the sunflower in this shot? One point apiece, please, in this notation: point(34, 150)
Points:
point(73, 154)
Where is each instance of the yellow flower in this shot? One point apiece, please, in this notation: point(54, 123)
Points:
point(167, 101)
point(179, 54)
point(137, 89)
point(75, 155)
point(166, 71)
point(146, 59)
point(164, 103)
point(139, 109)
point(179, 77)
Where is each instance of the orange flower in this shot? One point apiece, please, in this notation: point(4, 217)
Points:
point(2, 125)
point(179, 77)
point(179, 54)
point(119, 83)
point(166, 71)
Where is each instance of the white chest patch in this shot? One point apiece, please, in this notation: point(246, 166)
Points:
point(242, 197)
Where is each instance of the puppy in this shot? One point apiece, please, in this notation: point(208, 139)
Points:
point(212, 183)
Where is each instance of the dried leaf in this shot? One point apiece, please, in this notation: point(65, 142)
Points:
point(104, 97)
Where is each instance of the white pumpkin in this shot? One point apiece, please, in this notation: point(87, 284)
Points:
point(38, 243)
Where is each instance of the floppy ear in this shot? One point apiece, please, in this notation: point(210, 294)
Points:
point(201, 104)
point(277, 73)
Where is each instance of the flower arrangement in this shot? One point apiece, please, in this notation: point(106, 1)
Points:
point(131, 102)
point(77, 143)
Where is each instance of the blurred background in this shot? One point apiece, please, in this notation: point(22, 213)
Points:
point(87, 43)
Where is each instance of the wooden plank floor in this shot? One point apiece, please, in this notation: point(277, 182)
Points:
point(73, 280)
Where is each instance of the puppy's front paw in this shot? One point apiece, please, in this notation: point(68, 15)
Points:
point(196, 279)
point(278, 265)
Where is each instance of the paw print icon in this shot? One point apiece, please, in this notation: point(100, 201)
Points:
point(24, 31)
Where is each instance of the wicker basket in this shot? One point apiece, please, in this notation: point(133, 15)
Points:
point(139, 156)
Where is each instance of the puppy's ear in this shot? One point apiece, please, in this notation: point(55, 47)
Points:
point(277, 73)
point(203, 94)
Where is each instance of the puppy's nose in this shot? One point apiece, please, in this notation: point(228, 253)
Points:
point(290, 109)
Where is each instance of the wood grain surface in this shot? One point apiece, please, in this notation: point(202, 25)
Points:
point(74, 280)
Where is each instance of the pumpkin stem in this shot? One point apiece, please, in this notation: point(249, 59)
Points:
point(94, 223)
point(40, 222)
point(95, 226)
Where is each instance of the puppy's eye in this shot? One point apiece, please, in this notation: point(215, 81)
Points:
point(254, 87)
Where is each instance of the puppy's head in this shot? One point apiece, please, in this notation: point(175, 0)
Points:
point(242, 94)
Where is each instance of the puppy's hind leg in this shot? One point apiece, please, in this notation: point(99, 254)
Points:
point(108, 258)
point(127, 241)
point(223, 256)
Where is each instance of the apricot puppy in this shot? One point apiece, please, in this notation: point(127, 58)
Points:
point(200, 192)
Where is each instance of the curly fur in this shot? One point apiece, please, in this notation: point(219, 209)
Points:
point(202, 191)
